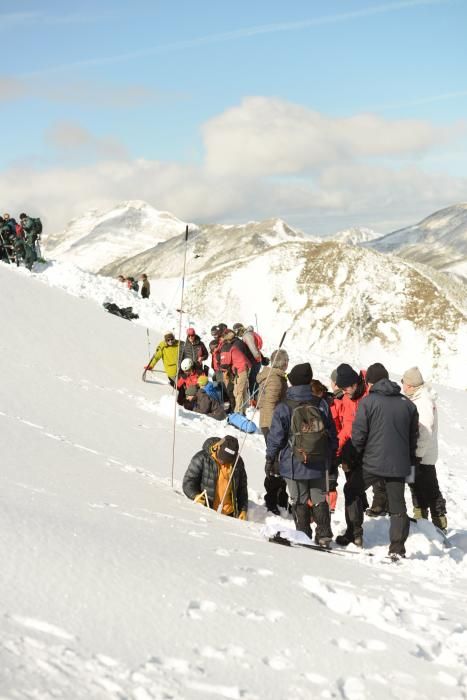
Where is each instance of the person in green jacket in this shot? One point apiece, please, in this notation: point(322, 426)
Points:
point(169, 351)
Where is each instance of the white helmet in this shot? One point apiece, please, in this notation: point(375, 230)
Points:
point(187, 364)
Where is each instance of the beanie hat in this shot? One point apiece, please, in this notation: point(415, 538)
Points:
point(169, 336)
point(413, 377)
point(376, 372)
point(334, 375)
point(202, 380)
point(190, 331)
point(228, 449)
point(191, 390)
point(346, 376)
point(300, 374)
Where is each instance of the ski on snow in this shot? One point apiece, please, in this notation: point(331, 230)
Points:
point(339, 551)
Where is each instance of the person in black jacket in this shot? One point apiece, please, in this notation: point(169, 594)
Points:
point(194, 349)
point(384, 437)
point(207, 478)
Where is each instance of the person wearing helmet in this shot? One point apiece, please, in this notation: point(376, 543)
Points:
point(169, 351)
point(188, 377)
point(194, 349)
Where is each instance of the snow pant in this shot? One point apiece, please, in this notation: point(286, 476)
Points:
point(240, 391)
point(30, 256)
point(302, 492)
point(354, 491)
point(252, 385)
point(276, 488)
point(380, 497)
point(229, 390)
point(426, 493)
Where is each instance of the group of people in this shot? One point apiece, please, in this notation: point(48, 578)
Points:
point(20, 241)
point(131, 283)
point(235, 361)
point(376, 432)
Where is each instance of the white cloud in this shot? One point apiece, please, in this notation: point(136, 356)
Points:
point(327, 173)
point(264, 136)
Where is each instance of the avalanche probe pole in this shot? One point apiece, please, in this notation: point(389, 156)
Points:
point(178, 357)
point(149, 345)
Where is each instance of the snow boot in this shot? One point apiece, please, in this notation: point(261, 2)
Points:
point(419, 513)
point(302, 519)
point(348, 538)
point(322, 518)
point(440, 521)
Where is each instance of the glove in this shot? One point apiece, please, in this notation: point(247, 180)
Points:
point(243, 515)
point(269, 468)
point(200, 498)
point(265, 361)
point(147, 367)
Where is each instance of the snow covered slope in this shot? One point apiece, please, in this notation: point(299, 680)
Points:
point(355, 235)
point(114, 586)
point(440, 240)
point(210, 246)
point(100, 237)
point(328, 296)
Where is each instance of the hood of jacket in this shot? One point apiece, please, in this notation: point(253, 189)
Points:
point(386, 387)
point(266, 371)
point(300, 393)
point(207, 444)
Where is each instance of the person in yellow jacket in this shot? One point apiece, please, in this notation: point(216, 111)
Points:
point(169, 351)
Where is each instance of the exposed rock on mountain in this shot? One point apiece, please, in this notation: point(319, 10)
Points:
point(355, 235)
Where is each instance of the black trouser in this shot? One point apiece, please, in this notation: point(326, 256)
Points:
point(252, 385)
point(380, 497)
point(276, 488)
point(426, 492)
point(354, 491)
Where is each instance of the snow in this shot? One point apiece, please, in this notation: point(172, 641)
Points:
point(115, 586)
point(100, 237)
point(355, 235)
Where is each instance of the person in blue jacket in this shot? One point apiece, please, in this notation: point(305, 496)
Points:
point(306, 480)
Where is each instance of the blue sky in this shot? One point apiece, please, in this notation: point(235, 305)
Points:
point(326, 113)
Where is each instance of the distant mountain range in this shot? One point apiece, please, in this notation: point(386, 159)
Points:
point(332, 298)
point(440, 241)
point(355, 236)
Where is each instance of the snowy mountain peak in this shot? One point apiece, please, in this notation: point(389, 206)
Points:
point(439, 240)
point(355, 235)
point(98, 237)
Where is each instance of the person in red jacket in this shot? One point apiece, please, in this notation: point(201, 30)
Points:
point(188, 377)
point(234, 363)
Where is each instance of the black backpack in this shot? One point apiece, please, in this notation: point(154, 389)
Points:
point(308, 436)
point(37, 226)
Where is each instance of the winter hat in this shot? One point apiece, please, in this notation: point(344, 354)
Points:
point(228, 449)
point(169, 336)
point(413, 377)
point(202, 380)
point(346, 376)
point(333, 376)
point(376, 372)
point(190, 331)
point(300, 374)
point(191, 390)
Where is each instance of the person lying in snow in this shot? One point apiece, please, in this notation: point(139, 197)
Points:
point(206, 480)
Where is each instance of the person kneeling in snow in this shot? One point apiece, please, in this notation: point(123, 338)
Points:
point(209, 479)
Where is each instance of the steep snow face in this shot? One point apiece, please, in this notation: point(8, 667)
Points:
point(209, 246)
point(440, 240)
point(355, 236)
point(99, 238)
point(114, 585)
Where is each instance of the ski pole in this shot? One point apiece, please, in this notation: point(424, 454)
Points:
point(149, 345)
point(221, 504)
point(178, 357)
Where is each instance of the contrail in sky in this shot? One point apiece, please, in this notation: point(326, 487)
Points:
point(242, 33)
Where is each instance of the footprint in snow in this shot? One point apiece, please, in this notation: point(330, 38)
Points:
point(235, 580)
point(278, 662)
point(197, 607)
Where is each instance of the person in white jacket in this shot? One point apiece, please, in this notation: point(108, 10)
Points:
point(426, 494)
